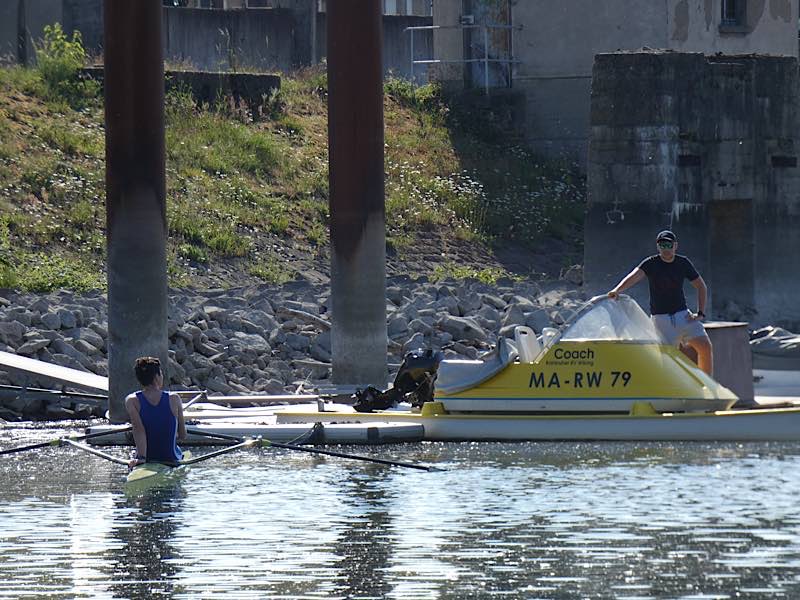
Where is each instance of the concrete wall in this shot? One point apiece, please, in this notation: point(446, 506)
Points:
point(229, 40)
point(769, 27)
point(29, 16)
point(707, 146)
point(9, 14)
point(558, 41)
point(279, 38)
point(396, 43)
point(556, 48)
point(85, 16)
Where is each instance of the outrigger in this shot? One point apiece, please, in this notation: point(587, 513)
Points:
point(151, 472)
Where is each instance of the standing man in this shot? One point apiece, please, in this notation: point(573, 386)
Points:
point(156, 416)
point(665, 273)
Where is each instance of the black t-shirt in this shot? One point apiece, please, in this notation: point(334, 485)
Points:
point(666, 282)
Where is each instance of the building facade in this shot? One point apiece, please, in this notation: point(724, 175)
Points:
point(551, 48)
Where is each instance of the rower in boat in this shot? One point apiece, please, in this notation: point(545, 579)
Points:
point(156, 416)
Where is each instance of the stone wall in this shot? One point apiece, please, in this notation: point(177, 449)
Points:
point(707, 146)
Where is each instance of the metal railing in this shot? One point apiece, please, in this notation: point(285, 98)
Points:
point(485, 60)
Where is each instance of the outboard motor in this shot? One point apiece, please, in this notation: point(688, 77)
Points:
point(413, 383)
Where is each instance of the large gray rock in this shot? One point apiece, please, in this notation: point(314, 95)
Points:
point(415, 341)
point(538, 320)
point(20, 315)
point(86, 334)
point(68, 320)
point(494, 301)
point(297, 341)
point(86, 348)
point(397, 326)
point(513, 316)
point(462, 328)
point(319, 352)
point(11, 332)
point(240, 341)
point(421, 326)
point(51, 321)
point(31, 347)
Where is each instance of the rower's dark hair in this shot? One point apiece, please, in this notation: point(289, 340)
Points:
point(146, 369)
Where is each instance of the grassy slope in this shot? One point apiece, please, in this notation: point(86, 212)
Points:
point(246, 199)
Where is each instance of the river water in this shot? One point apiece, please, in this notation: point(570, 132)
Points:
point(502, 520)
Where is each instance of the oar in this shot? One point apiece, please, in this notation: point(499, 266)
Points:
point(201, 395)
point(245, 444)
point(91, 450)
point(265, 443)
point(57, 441)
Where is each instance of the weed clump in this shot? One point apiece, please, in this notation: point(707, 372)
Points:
point(59, 61)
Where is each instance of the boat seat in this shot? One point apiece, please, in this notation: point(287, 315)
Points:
point(528, 346)
point(456, 375)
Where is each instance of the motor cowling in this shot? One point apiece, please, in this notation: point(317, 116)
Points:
point(413, 383)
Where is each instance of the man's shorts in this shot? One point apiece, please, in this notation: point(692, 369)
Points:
point(678, 328)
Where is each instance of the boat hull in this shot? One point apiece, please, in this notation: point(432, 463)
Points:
point(150, 472)
point(332, 433)
point(587, 377)
point(778, 424)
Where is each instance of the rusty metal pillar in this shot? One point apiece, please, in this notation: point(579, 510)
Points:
point(135, 192)
point(358, 235)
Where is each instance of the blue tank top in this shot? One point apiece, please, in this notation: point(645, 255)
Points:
point(161, 428)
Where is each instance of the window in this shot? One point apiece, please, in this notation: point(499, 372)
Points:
point(733, 13)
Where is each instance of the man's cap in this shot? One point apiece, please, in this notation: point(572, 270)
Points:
point(666, 235)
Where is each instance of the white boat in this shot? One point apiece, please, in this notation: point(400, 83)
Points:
point(641, 424)
point(246, 426)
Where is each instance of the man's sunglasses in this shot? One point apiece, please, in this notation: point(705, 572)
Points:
point(666, 245)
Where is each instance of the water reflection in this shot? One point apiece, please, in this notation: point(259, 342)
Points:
point(146, 564)
point(503, 521)
point(363, 547)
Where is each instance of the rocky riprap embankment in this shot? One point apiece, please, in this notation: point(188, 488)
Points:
point(271, 339)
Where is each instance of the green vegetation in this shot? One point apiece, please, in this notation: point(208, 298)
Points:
point(59, 61)
point(452, 271)
point(241, 192)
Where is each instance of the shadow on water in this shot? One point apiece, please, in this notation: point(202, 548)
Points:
point(146, 565)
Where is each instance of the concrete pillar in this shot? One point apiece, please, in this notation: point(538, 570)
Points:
point(135, 192)
point(358, 236)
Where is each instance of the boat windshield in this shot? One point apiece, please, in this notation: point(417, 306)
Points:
point(607, 319)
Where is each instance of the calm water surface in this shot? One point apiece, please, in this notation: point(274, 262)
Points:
point(526, 520)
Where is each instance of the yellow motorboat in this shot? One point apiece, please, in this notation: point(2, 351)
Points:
point(606, 359)
point(606, 375)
